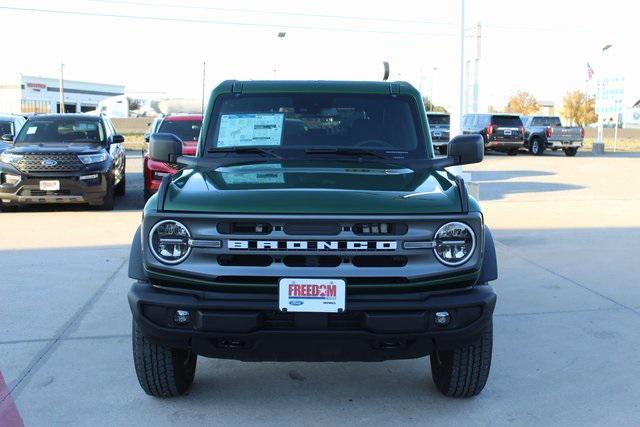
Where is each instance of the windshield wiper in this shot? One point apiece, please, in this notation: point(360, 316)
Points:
point(243, 150)
point(346, 152)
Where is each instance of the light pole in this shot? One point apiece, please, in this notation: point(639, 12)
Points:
point(62, 109)
point(281, 35)
point(457, 111)
point(598, 146)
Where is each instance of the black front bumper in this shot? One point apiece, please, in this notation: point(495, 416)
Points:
point(250, 327)
point(72, 189)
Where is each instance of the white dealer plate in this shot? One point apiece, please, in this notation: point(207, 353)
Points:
point(312, 295)
point(50, 185)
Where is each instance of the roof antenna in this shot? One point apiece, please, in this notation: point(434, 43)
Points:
point(386, 71)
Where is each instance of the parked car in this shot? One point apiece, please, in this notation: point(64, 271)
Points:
point(313, 224)
point(542, 132)
point(439, 127)
point(63, 158)
point(10, 124)
point(500, 132)
point(187, 128)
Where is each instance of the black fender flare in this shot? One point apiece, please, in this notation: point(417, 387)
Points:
point(489, 271)
point(136, 270)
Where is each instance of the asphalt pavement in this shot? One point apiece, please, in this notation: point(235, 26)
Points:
point(566, 329)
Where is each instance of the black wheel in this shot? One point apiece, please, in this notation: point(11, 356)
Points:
point(513, 152)
point(162, 371)
point(536, 147)
point(570, 151)
point(121, 188)
point(442, 149)
point(108, 200)
point(463, 372)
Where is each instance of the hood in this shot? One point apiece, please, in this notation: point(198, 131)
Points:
point(189, 148)
point(313, 187)
point(57, 147)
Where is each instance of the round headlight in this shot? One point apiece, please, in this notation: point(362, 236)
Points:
point(169, 241)
point(454, 243)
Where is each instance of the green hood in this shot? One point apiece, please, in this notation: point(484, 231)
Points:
point(313, 188)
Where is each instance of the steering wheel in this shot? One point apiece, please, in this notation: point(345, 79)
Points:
point(375, 142)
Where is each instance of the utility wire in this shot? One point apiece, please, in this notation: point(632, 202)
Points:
point(216, 22)
point(270, 12)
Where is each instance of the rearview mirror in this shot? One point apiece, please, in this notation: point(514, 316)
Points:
point(146, 137)
point(7, 137)
point(165, 147)
point(466, 149)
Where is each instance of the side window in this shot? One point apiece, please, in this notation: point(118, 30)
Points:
point(473, 120)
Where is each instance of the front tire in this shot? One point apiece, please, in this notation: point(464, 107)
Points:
point(570, 151)
point(121, 188)
point(463, 372)
point(162, 371)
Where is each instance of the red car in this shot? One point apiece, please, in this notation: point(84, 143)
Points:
point(184, 126)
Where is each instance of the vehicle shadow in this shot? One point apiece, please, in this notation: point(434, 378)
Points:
point(499, 190)
point(483, 176)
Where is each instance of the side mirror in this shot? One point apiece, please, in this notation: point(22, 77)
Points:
point(146, 137)
point(165, 147)
point(7, 137)
point(466, 149)
point(117, 139)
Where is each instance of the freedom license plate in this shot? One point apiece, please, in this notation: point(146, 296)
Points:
point(49, 185)
point(312, 295)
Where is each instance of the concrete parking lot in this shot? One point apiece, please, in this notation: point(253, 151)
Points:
point(567, 325)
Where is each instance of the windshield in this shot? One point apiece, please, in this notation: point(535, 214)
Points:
point(545, 121)
point(61, 129)
point(506, 121)
point(5, 127)
point(438, 119)
point(388, 124)
point(186, 130)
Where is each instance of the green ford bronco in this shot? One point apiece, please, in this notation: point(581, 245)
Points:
point(314, 223)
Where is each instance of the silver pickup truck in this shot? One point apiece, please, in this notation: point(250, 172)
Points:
point(542, 132)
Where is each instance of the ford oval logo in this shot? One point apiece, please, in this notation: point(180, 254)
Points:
point(296, 302)
point(49, 162)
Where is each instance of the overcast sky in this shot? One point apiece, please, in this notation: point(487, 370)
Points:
point(541, 46)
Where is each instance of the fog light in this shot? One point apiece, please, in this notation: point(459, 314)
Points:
point(181, 317)
point(442, 318)
point(11, 179)
point(87, 177)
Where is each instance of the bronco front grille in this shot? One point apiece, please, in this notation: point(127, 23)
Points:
point(50, 162)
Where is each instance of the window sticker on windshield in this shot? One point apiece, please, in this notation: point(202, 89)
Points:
point(32, 130)
point(238, 130)
point(263, 175)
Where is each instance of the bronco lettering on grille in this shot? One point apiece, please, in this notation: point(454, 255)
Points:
point(312, 245)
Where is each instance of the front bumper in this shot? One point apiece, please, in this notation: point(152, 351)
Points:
point(250, 327)
point(72, 189)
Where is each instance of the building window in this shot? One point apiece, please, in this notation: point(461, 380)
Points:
point(35, 106)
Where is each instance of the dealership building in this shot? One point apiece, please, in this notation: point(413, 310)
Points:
point(32, 94)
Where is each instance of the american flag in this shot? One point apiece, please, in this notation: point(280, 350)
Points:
point(589, 72)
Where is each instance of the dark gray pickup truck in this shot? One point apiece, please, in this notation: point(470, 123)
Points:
point(542, 132)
